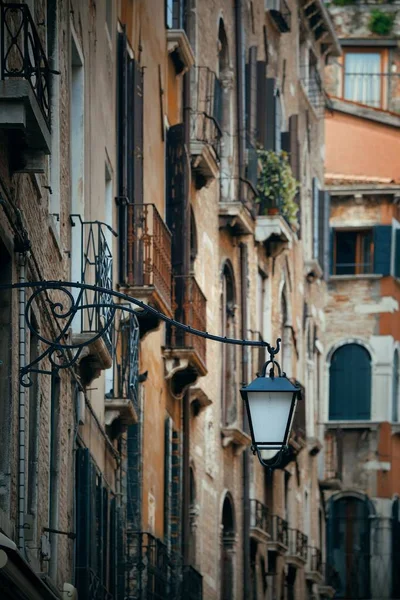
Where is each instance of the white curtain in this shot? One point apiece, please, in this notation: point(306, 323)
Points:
point(362, 81)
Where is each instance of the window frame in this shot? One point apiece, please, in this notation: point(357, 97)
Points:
point(384, 62)
point(358, 265)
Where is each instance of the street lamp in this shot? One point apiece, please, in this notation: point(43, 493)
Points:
point(270, 404)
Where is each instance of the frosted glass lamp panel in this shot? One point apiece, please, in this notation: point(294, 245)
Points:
point(269, 415)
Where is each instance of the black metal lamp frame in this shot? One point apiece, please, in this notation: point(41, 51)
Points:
point(63, 353)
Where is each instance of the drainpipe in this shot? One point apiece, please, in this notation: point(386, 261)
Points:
point(186, 479)
point(240, 93)
point(246, 470)
point(21, 407)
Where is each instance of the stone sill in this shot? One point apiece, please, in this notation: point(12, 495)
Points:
point(273, 226)
point(373, 425)
point(237, 437)
point(352, 277)
point(177, 41)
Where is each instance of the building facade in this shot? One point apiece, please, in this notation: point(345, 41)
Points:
point(361, 344)
point(141, 146)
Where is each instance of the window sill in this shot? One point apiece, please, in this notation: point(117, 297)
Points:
point(373, 425)
point(355, 276)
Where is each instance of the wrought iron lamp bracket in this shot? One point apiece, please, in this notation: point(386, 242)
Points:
point(63, 352)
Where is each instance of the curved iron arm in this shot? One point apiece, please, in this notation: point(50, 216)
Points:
point(63, 354)
point(271, 463)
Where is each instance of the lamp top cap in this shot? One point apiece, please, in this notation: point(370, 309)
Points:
point(271, 384)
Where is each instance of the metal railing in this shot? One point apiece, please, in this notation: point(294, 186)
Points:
point(126, 359)
point(259, 515)
point(298, 544)
point(313, 85)
point(148, 250)
point(22, 53)
point(379, 90)
point(206, 118)
point(192, 584)
point(279, 530)
point(189, 304)
point(96, 269)
point(90, 583)
point(349, 268)
point(314, 560)
point(154, 572)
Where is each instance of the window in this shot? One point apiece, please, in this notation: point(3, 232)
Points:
point(228, 350)
point(350, 384)
point(362, 251)
point(174, 14)
point(274, 116)
point(363, 77)
point(353, 252)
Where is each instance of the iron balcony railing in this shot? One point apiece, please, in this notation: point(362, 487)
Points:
point(314, 560)
point(189, 305)
point(93, 588)
point(298, 544)
point(154, 572)
point(206, 118)
point(192, 584)
point(126, 359)
point(313, 85)
point(280, 13)
point(96, 269)
point(148, 255)
point(278, 530)
point(22, 53)
point(259, 515)
point(379, 90)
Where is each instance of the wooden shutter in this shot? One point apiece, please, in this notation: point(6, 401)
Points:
point(324, 232)
point(315, 208)
point(134, 476)
point(251, 97)
point(137, 80)
point(176, 172)
point(285, 142)
point(261, 107)
point(271, 114)
point(122, 130)
point(350, 384)
point(382, 249)
point(167, 480)
point(176, 496)
point(397, 253)
point(86, 553)
point(294, 149)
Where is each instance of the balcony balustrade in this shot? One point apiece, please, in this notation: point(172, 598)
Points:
point(122, 398)
point(259, 521)
point(298, 548)
point(145, 259)
point(314, 565)
point(185, 353)
point(206, 133)
point(278, 530)
point(24, 87)
point(155, 572)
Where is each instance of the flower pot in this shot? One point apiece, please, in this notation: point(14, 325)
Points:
point(273, 211)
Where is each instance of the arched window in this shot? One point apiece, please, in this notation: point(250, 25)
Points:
point(228, 350)
point(228, 544)
point(348, 537)
point(395, 390)
point(350, 384)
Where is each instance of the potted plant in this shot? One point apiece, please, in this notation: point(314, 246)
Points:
point(276, 185)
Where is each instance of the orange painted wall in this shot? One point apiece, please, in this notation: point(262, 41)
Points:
point(357, 146)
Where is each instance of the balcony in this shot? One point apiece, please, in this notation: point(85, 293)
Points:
point(278, 530)
point(272, 227)
point(95, 308)
point(145, 260)
point(122, 400)
point(314, 89)
point(185, 353)
point(24, 89)
point(192, 584)
point(314, 565)
point(205, 126)
point(154, 572)
point(298, 548)
point(280, 13)
point(259, 521)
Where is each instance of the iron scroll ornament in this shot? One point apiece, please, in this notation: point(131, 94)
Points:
point(63, 352)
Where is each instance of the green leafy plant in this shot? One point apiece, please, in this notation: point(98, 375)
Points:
point(381, 23)
point(276, 185)
point(343, 2)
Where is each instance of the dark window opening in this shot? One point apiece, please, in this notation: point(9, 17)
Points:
point(353, 252)
point(350, 384)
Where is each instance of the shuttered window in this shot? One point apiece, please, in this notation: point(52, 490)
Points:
point(397, 253)
point(362, 251)
point(274, 117)
point(316, 229)
point(350, 384)
point(167, 481)
point(261, 110)
point(251, 97)
point(382, 249)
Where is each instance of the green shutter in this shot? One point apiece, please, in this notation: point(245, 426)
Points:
point(271, 114)
point(350, 384)
point(382, 249)
point(397, 254)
